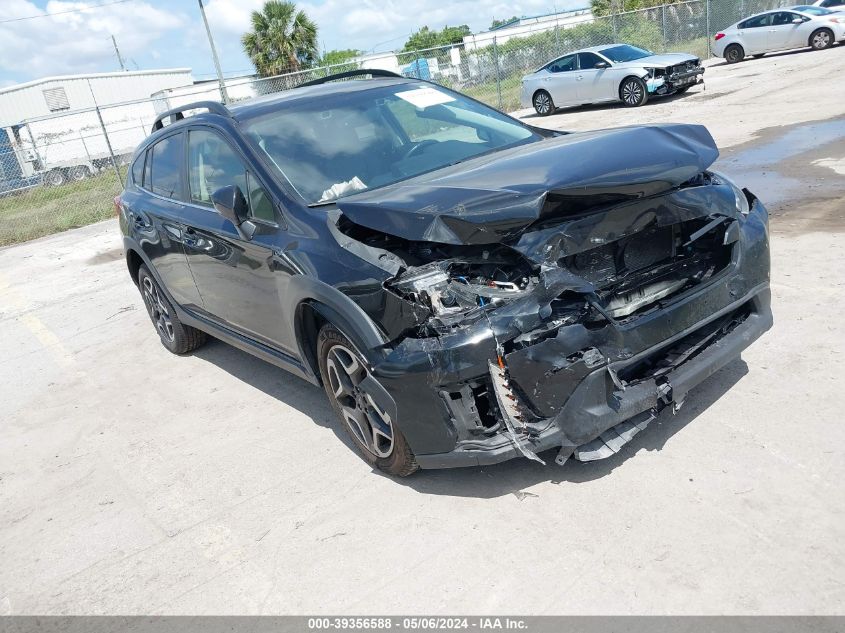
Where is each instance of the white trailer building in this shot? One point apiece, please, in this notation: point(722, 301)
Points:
point(51, 129)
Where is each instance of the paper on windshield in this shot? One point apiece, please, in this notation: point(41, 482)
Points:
point(343, 188)
point(424, 97)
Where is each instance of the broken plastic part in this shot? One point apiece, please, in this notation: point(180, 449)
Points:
point(507, 406)
point(611, 441)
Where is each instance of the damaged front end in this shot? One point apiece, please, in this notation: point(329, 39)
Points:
point(576, 311)
point(670, 79)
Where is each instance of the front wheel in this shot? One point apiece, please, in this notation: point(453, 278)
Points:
point(543, 104)
point(821, 39)
point(633, 92)
point(350, 386)
point(174, 335)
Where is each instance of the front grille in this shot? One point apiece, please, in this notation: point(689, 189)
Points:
point(635, 272)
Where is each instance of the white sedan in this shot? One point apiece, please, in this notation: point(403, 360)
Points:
point(614, 72)
point(779, 30)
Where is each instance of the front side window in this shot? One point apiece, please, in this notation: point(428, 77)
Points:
point(625, 53)
point(213, 164)
point(359, 139)
point(166, 167)
point(782, 18)
point(588, 61)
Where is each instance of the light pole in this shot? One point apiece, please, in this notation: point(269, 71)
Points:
point(223, 94)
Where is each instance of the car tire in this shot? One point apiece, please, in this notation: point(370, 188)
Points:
point(734, 53)
point(633, 92)
point(821, 39)
point(54, 178)
point(175, 336)
point(80, 172)
point(543, 103)
point(373, 433)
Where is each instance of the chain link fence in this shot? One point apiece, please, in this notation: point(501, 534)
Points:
point(63, 170)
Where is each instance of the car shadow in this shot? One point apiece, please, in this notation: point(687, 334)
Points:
point(609, 105)
point(749, 59)
point(485, 482)
point(277, 383)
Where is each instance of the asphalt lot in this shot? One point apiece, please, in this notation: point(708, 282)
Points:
point(134, 481)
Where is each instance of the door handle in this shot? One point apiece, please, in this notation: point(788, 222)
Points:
point(580, 77)
point(190, 237)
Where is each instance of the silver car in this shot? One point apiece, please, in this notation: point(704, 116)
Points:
point(780, 30)
point(613, 72)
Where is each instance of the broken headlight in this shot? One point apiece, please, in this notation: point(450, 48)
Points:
point(461, 285)
point(742, 205)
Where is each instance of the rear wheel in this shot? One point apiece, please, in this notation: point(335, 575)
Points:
point(821, 39)
point(174, 335)
point(372, 430)
point(543, 103)
point(734, 53)
point(633, 92)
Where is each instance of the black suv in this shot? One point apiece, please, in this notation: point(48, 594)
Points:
point(466, 288)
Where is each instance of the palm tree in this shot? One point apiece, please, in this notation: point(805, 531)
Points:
point(282, 39)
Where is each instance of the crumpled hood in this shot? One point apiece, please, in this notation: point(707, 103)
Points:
point(491, 198)
point(660, 61)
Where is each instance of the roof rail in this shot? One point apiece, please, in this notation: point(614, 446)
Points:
point(373, 72)
point(177, 114)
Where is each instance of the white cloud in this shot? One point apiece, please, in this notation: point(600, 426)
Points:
point(81, 41)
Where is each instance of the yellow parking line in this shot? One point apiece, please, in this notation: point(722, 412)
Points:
point(12, 298)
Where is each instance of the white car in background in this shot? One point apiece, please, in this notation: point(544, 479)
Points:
point(613, 72)
point(780, 30)
point(833, 5)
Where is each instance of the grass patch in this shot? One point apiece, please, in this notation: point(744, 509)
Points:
point(486, 92)
point(43, 211)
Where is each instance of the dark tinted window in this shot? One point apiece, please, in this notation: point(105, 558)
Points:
point(562, 65)
point(782, 18)
point(138, 170)
point(586, 61)
point(833, 3)
point(757, 22)
point(813, 10)
point(625, 53)
point(166, 174)
point(212, 164)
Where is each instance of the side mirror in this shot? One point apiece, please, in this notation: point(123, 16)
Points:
point(601, 65)
point(230, 202)
point(797, 21)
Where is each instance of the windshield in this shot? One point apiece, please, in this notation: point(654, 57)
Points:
point(346, 142)
point(813, 10)
point(625, 53)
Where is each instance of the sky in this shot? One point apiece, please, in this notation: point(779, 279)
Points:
point(170, 33)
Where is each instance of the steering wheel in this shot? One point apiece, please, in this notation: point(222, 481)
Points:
point(416, 148)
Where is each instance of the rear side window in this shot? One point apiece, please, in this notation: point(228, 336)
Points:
point(138, 170)
point(757, 22)
point(562, 65)
point(166, 170)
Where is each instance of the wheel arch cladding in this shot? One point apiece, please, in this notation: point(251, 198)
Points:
point(133, 263)
point(317, 303)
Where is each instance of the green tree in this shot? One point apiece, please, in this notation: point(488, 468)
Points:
point(608, 7)
point(332, 58)
point(427, 38)
point(282, 39)
point(497, 23)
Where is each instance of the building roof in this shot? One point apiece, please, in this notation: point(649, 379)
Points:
point(519, 21)
point(131, 73)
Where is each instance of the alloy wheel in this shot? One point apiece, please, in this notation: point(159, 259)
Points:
point(542, 103)
point(632, 92)
point(156, 309)
point(821, 40)
point(370, 425)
